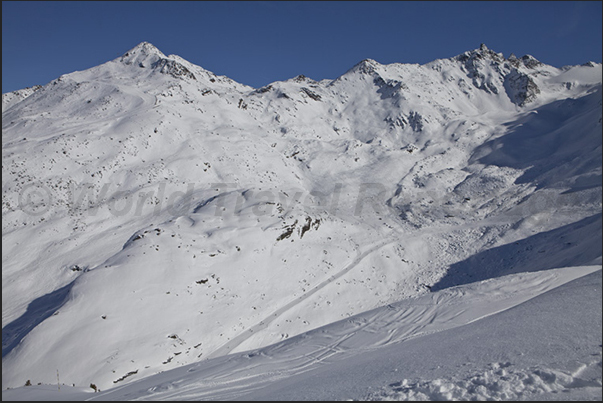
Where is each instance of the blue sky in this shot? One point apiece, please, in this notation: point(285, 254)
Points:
point(256, 43)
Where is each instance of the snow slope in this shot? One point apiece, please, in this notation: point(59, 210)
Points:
point(156, 215)
point(486, 341)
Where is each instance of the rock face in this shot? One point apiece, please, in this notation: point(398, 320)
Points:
point(491, 72)
point(173, 68)
point(155, 214)
point(521, 88)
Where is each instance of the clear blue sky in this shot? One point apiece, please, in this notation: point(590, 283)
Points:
point(256, 43)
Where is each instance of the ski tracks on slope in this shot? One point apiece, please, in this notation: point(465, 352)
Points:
point(238, 340)
point(398, 237)
point(227, 378)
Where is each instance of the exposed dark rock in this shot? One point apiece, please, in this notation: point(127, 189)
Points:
point(520, 88)
point(263, 89)
point(288, 231)
point(416, 121)
point(513, 60)
point(125, 376)
point(173, 68)
point(311, 94)
point(589, 64)
point(300, 78)
point(530, 62)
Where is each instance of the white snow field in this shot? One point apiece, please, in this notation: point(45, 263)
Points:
point(465, 340)
point(401, 232)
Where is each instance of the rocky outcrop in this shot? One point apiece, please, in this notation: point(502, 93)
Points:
point(311, 94)
point(474, 63)
point(520, 88)
point(173, 68)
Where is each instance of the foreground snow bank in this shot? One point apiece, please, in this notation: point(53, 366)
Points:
point(499, 382)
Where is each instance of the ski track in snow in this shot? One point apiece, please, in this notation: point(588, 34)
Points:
point(238, 374)
point(232, 344)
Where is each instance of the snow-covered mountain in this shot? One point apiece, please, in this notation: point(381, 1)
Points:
point(156, 215)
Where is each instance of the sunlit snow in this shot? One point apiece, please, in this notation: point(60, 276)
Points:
point(403, 231)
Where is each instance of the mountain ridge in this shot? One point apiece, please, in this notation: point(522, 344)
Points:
point(146, 50)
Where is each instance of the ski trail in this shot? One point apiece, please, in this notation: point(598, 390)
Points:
point(236, 341)
point(399, 237)
point(236, 376)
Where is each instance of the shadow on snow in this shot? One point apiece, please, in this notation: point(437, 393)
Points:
point(575, 244)
point(545, 144)
point(37, 311)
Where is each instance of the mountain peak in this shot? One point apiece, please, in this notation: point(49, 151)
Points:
point(142, 54)
point(483, 52)
point(146, 48)
point(366, 66)
point(530, 61)
point(489, 53)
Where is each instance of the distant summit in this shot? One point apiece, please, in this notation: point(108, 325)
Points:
point(146, 54)
point(366, 66)
point(481, 53)
point(142, 54)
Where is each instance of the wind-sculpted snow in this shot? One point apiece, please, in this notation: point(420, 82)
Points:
point(499, 382)
point(187, 216)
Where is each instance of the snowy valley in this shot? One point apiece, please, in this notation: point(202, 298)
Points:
point(169, 233)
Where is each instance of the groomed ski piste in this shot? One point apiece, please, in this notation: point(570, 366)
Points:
point(402, 232)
